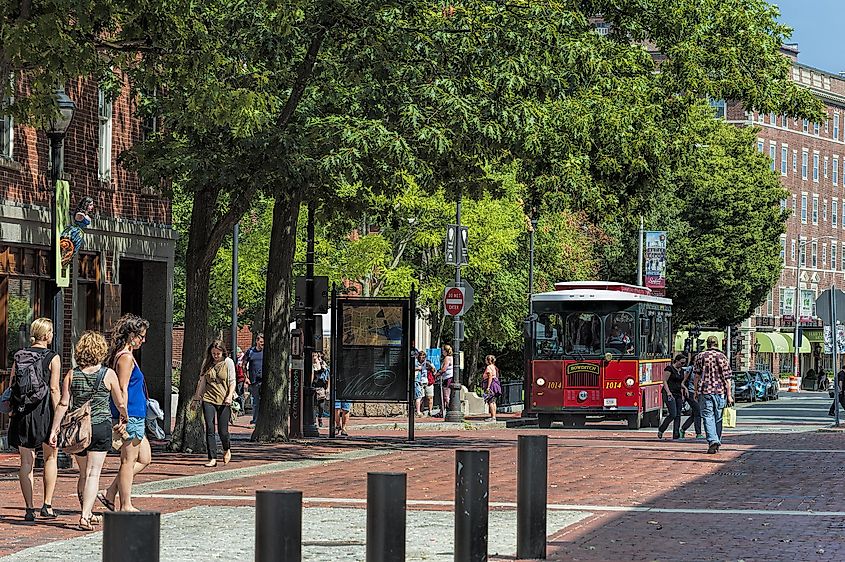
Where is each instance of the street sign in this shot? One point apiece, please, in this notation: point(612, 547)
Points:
point(453, 300)
point(320, 298)
point(463, 245)
point(469, 294)
point(823, 306)
point(451, 249)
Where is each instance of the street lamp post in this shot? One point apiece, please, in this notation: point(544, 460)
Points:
point(56, 132)
point(796, 344)
point(454, 413)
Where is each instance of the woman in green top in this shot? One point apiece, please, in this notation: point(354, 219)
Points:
point(90, 380)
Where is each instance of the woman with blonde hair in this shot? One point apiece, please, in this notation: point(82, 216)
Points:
point(216, 389)
point(446, 375)
point(90, 381)
point(31, 416)
point(128, 335)
point(492, 386)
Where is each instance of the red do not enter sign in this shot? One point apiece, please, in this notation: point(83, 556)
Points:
point(454, 300)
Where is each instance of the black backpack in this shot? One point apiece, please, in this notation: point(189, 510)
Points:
point(29, 386)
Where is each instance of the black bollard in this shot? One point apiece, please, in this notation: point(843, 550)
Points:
point(131, 536)
point(531, 496)
point(472, 476)
point(278, 526)
point(386, 494)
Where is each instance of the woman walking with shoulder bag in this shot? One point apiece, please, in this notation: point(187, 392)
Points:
point(128, 335)
point(39, 370)
point(492, 386)
point(216, 389)
point(86, 390)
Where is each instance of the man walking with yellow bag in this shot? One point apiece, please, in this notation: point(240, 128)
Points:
point(712, 379)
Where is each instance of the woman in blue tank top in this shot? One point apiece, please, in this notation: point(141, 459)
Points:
point(128, 335)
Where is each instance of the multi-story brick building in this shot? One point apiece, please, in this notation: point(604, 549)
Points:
point(810, 159)
point(126, 264)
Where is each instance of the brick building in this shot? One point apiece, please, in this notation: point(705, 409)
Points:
point(810, 159)
point(126, 264)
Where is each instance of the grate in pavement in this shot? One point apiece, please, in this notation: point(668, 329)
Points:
point(734, 473)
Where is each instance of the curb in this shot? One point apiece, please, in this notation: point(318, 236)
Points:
point(832, 429)
point(429, 426)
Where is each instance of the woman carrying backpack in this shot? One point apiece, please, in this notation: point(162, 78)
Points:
point(33, 401)
point(90, 383)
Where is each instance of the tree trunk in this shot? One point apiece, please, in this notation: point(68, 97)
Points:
point(189, 434)
point(275, 389)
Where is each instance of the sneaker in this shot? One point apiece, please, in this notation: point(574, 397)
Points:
point(713, 449)
point(699, 436)
point(681, 437)
point(660, 435)
point(320, 422)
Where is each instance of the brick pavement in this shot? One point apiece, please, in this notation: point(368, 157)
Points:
point(764, 474)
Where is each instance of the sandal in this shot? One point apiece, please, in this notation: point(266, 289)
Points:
point(30, 514)
point(85, 524)
point(107, 503)
point(96, 519)
point(47, 511)
point(211, 463)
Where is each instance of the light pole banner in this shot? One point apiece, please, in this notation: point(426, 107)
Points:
point(60, 221)
point(840, 339)
point(655, 260)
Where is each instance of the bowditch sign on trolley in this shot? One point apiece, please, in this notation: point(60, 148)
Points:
point(371, 351)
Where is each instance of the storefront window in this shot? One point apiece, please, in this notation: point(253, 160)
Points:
point(20, 312)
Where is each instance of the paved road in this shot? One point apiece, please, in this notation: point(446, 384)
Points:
point(791, 412)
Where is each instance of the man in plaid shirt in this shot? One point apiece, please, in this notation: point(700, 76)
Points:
point(712, 379)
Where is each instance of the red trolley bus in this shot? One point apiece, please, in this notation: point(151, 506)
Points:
point(598, 352)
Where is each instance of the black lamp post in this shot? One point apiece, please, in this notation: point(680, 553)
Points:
point(58, 127)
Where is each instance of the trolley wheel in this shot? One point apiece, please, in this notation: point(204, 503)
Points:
point(635, 421)
point(651, 419)
point(544, 420)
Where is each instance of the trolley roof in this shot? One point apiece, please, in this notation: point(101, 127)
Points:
point(600, 291)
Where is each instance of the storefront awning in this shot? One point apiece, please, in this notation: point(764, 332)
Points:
point(813, 336)
point(772, 342)
point(805, 344)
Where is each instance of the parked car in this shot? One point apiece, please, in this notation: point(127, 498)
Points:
point(772, 385)
point(750, 386)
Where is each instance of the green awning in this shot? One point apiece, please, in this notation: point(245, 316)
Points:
point(772, 342)
point(805, 344)
point(814, 336)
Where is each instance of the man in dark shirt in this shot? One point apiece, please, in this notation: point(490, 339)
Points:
point(253, 363)
point(673, 396)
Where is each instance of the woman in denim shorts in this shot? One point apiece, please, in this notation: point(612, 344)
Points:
point(128, 335)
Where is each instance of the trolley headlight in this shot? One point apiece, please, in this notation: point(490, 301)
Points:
point(541, 381)
point(629, 382)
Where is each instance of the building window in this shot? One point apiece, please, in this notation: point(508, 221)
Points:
point(824, 170)
point(792, 251)
point(814, 255)
point(772, 151)
point(760, 145)
point(805, 125)
point(719, 106)
point(783, 154)
point(804, 158)
point(7, 131)
point(824, 210)
point(785, 122)
point(105, 134)
point(835, 170)
point(836, 126)
point(761, 118)
point(816, 167)
point(833, 255)
point(816, 129)
point(783, 250)
point(794, 161)
point(770, 305)
point(834, 212)
point(804, 208)
point(802, 253)
point(824, 255)
point(773, 119)
point(815, 209)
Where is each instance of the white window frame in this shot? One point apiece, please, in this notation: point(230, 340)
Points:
point(824, 210)
point(761, 146)
point(773, 148)
point(783, 249)
point(824, 255)
point(794, 205)
point(834, 247)
point(816, 129)
point(824, 167)
point(105, 119)
point(805, 162)
point(804, 208)
point(835, 170)
point(792, 250)
point(814, 255)
point(805, 125)
point(784, 154)
point(816, 166)
point(794, 161)
point(836, 126)
point(834, 212)
point(7, 142)
point(815, 209)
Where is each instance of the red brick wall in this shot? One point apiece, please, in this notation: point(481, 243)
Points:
point(244, 342)
point(25, 179)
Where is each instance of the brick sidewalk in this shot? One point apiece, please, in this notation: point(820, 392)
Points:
point(757, 496)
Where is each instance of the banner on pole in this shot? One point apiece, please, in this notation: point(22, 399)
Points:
point(655, 261)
